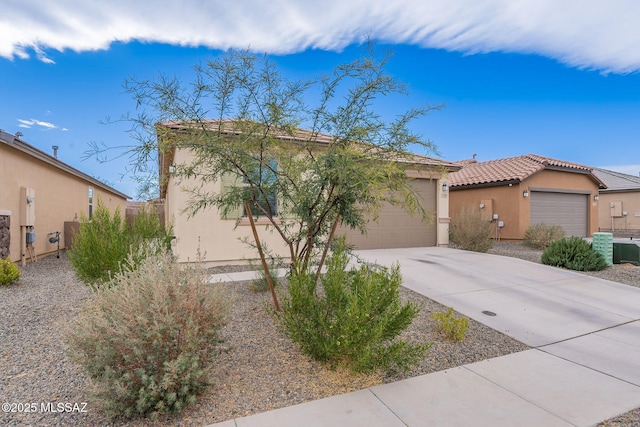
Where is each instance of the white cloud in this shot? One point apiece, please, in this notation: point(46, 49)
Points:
point(28, 124)
point(582, 33)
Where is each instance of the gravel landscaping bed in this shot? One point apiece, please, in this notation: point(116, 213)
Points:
point(622, 273)
point(258, 369)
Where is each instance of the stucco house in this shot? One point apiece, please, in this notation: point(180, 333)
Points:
point(218, 238)
point(38, 195)
point(619, 203)
point(520, 191)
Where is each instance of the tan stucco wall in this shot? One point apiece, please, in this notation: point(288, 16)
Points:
point(59, 197)
point(630, 204)
point(514, 209)
point(219, 240)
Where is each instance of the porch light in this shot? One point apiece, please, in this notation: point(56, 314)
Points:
point(596, 197)
point(445, 186)
point(525, 193)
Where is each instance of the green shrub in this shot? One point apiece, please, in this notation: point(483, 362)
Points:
point(103, 243)
point(354, 319)
point(149, 342)
point(469, 231)
point(542, 235)
point(9, 272)
point(450, 325)
point(573, 253)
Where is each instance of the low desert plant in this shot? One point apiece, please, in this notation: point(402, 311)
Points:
point(469, 231)
point(149, 342)
point(540, 236)
point(105, 241)
point(353, 319)
point(573, 253)
point(451, 326)
point(9, 272)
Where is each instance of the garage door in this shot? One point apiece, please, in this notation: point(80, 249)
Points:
point(396, 228)
point(567, 210)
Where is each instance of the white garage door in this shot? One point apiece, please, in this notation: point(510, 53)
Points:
point(567, 210)
point(398, 229)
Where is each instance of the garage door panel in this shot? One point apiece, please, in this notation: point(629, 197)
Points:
point(396, 228)
point(568, 210)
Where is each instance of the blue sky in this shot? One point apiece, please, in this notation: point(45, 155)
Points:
point(555, 78)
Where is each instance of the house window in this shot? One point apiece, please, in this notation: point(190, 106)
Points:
point(266, 178)
point(90, 202)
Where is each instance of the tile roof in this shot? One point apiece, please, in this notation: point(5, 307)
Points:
point(511, 169)
point(228, 126)
point(617, 181)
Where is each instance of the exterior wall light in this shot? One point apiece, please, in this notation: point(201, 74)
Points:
point(596, 197)
point(525, 193)
point(445, 186)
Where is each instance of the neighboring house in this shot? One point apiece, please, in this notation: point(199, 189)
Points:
point(517, 192)
point(619, 202)
point(218, 238)
point(40, 194)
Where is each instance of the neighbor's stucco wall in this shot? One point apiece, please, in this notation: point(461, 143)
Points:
point(59, 197)
point(514, 209)
point(630, 205)
point(505, 203)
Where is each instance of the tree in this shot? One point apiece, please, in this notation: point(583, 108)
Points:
point(241, 119)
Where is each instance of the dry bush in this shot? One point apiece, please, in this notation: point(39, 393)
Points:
point(149, 341)
point(469, 231)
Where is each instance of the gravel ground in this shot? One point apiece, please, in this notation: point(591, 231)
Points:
point(258, 369)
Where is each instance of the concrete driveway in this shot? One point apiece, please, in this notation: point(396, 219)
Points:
point(533, 303)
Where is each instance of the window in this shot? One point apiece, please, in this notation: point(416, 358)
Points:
point(265, 177)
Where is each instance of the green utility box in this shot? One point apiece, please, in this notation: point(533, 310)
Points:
point(626, 253)
point(603, 244)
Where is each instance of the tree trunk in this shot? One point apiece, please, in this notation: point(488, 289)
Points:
point(267, 274)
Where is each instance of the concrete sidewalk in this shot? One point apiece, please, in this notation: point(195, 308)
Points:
point(584, 367)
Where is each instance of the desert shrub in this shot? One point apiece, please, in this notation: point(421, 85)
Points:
point(354, 318)
point(573, 253)
point(149, 342)
point(103, 243)
point(469, 231)
point(542, 235)
point(9, 272)
point(451, 326)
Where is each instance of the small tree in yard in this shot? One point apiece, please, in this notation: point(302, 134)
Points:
point(305, 183)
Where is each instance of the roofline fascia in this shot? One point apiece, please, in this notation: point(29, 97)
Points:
point(620, 190)
point(455, 187)
point(30, 150)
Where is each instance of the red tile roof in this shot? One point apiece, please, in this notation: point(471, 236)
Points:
point(510, 169)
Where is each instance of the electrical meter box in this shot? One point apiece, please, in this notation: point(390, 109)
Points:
point(27, 207)
point(616, 208)
point(486, 209)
